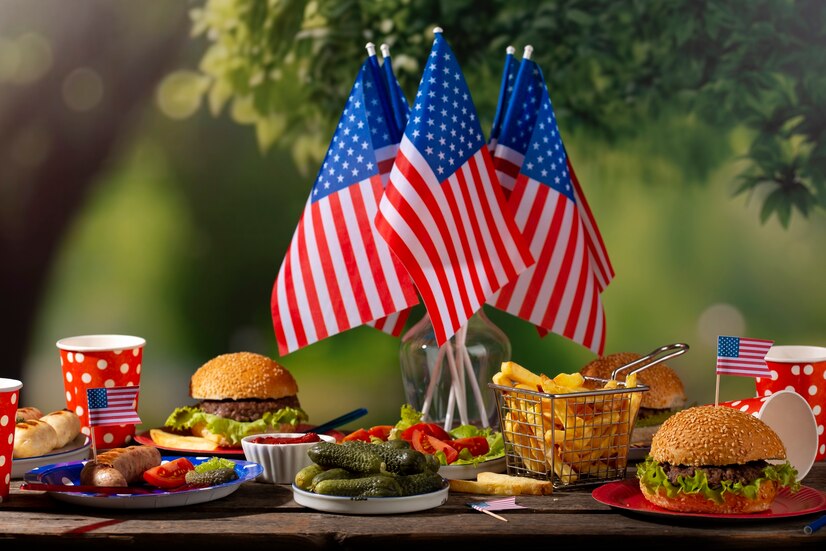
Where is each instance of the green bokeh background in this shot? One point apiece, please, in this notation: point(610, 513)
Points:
point(181, 240)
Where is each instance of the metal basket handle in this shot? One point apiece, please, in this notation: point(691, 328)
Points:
point(652, 358)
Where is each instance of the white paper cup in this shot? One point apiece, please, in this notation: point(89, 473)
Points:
point(791, 417)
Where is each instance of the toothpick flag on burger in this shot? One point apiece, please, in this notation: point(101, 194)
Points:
point(443, 213)
point(560, 293)
point(338, 273)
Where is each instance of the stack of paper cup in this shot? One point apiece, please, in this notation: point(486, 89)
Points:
point(802, 369)
point(788, 414)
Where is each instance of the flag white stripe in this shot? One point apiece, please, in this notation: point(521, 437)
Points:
point(463, 266)
point(511, 155)
point(318, 276)
point(288, 322)
point(571, 278)
point(464, 212)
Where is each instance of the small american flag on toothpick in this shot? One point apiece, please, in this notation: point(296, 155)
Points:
point(488, 507)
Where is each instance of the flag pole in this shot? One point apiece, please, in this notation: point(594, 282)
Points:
point(717, 391)
point(94, 447)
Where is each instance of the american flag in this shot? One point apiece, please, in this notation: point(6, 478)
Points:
point(337, 273)
point(743, 357)
point(112, 406)
point(443, 213)
point(561, 292)
point(394, 323)
point(505, 90)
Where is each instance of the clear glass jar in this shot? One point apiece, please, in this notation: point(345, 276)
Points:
point(449, 384)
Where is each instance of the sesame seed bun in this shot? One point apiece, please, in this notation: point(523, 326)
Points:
point(715, 435)
point(698, 503)
point(666, 390)
point(242, 376)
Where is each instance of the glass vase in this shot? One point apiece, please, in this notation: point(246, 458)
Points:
point(449, 384)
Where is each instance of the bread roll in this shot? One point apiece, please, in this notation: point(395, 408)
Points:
point(32, 438)
point(120, 466)
point(65, 423)
point(24, 414)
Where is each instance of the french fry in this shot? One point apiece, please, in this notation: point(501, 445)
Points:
point(519, 374)
point(502, 484)
point(501, 379)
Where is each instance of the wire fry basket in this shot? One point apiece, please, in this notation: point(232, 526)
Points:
point(573, 438)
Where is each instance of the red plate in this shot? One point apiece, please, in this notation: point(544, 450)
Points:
point(146, 440)
point(627, 495)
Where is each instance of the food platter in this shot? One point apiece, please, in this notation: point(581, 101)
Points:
point(230, 453)
point(66, 475)
point(75, 450)
point(469, 472)
point(626, 495)
point(370, 505)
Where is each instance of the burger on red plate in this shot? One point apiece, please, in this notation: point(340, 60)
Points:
point(240, 393)
point(715, 459)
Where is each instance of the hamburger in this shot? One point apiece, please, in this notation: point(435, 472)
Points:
point(715, 459)
point(240, 393)
point(666, 394)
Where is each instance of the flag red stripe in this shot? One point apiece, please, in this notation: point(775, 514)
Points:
point(578, 287)
point(311, 292)
point(332, 284)
point(455, 205)
point(349, 279)
point(595, 242)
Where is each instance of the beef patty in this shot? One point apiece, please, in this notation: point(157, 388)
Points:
point(745, 474)
point(247, 410)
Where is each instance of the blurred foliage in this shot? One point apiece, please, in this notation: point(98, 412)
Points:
point(609, 64)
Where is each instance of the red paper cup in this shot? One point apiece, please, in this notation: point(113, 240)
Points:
point(9, 397)
point(100, 361)
point(788, 414)
point(802, 369)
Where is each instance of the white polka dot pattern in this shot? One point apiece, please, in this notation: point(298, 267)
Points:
point(100, 369)
point(806, 377)
point(8, 411)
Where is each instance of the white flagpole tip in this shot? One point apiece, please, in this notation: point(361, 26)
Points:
point(510, 50)
point(371, 49)
point(385, 50)
point(437, 30)
point(528, 52)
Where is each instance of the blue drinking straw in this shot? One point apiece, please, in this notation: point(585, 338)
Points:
point(815, 525)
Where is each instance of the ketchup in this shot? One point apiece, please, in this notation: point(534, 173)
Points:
point(308, 437)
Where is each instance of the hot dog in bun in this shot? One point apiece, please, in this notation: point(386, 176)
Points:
point(715, 459)
point(240, 393)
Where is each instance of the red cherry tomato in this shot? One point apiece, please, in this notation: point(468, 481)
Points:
point(420, 442)
point(169, 475)
point(477, 445)
point(428, 428)
point(380, 431)
point(360, 434)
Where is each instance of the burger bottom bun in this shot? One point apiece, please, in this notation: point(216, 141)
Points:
point(199, 429)
point(698, 503)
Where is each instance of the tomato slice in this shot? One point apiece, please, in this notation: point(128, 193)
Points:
point(169, 475)
point(427, 443)
point(360, 434)
point(428, 428)
point(477, 445)
point(382, 432)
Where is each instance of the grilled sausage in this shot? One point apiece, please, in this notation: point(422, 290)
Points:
point(120, 466)
point(65, 423)
point(32, 438)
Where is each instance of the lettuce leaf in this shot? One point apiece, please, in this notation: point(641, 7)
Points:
point(651, 474)
point(186, 417)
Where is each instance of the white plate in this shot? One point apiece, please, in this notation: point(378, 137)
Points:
point(370, 505)
point(69, 474)
point(469, 472)
point(75, 450)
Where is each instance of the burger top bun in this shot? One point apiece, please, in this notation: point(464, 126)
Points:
point(242, 376)
point(715, 435)
point(666, 388)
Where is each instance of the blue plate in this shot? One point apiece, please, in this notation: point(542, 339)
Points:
point(67, 475)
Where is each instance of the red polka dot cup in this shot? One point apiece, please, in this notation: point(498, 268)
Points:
point(788, 414)
point(802, 369)
point(9, 397)
point(100, 361)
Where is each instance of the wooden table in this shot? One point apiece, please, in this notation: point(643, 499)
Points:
point(264, 516)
